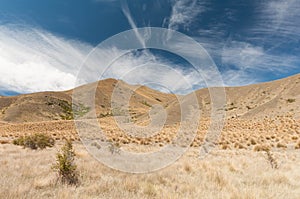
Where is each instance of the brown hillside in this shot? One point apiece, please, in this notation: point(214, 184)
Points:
point(258, 115)
point(274, 98)
point(47, 106)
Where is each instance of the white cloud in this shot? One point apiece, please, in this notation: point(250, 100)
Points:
point(244, 55)
point(277, 18)
point(239, 77)
point(126, 12)
point(265, 46)
point(34, 60)
point(243, 62)
point(154, 71)
point(184, 12)
point(157, 73)
point(241, 55)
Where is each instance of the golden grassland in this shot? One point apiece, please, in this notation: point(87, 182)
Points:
point(252, 159)
point(274, 132)
point(257, 154)
point(234, 174)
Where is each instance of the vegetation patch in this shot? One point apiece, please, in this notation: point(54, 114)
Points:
point(272, 160)
point(65, 165)
point(157, 99)
point(231, 108)
point(248, 107)
point(146, 103)
point(262, 148)
point(291, 100)
point(68, 111)
point(102, 115)
point(114, 148)
point(80, 110)
point(35, 141)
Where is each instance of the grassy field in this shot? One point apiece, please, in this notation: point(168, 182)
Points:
point(234, 174)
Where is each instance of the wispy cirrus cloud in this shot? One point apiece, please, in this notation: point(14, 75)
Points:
point(280, 18)
point(184, 12)
point(158, 73)
point(270, 39)
point(133, 25)
point(154, 70)
point(244, 55)
point(266, 46)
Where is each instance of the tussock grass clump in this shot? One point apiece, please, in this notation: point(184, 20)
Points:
point(65, 165)
point(114, 148)
point(262, 148)
point(291, 100)
point(281, 145)
point(35, 141)
point(272, 160)
point(4, 142)
point(297, 145)
point(270, 157)
point(150, 190)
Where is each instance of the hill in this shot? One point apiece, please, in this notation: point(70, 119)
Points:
point(256, 101)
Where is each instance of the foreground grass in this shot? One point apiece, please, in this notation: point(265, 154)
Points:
point(222, 174)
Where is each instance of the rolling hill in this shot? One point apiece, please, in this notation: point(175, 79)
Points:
point(253, 101)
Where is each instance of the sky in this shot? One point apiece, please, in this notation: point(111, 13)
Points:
point(43, 43)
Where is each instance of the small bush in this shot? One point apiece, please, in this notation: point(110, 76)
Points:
point(114, 148)
point(35, 141)
point(146, 103)
point(297, 145)
point(252, 141)
point(65, 165)
point(272, 160)
point(290, 100)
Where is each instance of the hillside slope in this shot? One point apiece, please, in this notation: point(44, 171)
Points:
point(274, 98)
point(47, 106)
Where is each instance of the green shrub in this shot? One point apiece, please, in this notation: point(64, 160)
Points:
point(35, 141)
point(65, 165)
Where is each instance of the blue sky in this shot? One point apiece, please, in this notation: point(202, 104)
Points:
point(42, 43)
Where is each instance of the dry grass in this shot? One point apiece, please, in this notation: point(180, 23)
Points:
point(257, 154)
point(223, 174)
point(279, 132)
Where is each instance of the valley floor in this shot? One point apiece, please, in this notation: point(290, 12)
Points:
point(233, 173)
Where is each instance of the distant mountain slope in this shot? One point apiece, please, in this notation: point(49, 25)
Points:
point(254, 101)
